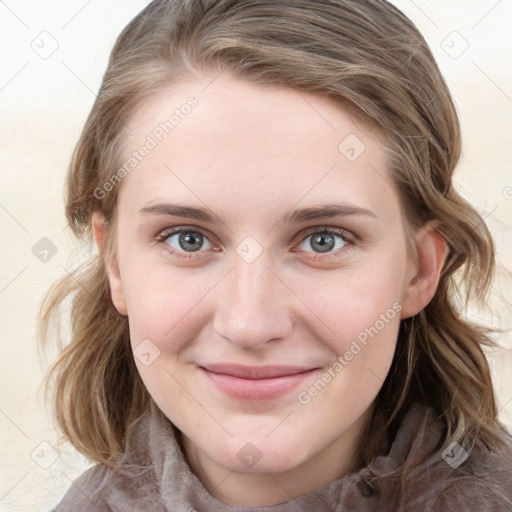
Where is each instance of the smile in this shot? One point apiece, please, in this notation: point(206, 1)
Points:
point(255, 383)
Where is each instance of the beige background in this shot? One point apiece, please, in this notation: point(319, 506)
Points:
point(45, 100)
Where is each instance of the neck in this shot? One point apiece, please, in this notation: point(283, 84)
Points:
point(263, 489)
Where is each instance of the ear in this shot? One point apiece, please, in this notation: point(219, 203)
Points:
point(99, 230)
point(432, 250)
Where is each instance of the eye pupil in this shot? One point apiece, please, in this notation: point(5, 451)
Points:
point(322, 243)
point(191, 241)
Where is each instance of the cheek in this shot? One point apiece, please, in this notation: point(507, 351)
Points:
point(357, 303)
point(364, 315)
point(164, 305)
point(363, 348)
point(165, 311)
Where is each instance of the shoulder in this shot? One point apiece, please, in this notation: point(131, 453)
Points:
point(133, 484)
point(417, 475)
point(101, 489)
point(478, 481)
point(482, 483)
point(86, 492)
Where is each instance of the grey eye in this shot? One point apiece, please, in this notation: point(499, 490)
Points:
point(188, 241)
point(322, 242)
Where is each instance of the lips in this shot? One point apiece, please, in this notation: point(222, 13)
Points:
point(255, 382)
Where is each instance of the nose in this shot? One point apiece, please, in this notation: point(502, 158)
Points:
point(254, 307)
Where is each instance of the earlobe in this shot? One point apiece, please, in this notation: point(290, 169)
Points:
point(99, 230)
point(432, 250)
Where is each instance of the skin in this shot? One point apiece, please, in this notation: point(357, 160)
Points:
point(250, 154)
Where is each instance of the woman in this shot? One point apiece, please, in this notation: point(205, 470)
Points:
point(271, 321)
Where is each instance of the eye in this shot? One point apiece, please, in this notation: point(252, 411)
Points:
point(324, 241)
point(185, 240)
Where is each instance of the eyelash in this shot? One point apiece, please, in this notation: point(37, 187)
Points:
point(164, 235)
point(348, 238)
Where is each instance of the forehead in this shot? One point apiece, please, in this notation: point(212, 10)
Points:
point(232, 144)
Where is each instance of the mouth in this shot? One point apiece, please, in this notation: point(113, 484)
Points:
point(255, 382)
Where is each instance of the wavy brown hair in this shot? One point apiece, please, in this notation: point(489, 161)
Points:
point(364, 54)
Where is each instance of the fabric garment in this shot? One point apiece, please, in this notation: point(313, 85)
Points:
point(157, 478)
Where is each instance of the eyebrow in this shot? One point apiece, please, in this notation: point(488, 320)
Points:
point(324, 212)
point(291, 217)
point(176, 210)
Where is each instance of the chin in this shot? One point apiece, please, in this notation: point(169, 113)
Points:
point(260, 456)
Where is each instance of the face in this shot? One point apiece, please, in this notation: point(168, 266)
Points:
point(261, 260)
